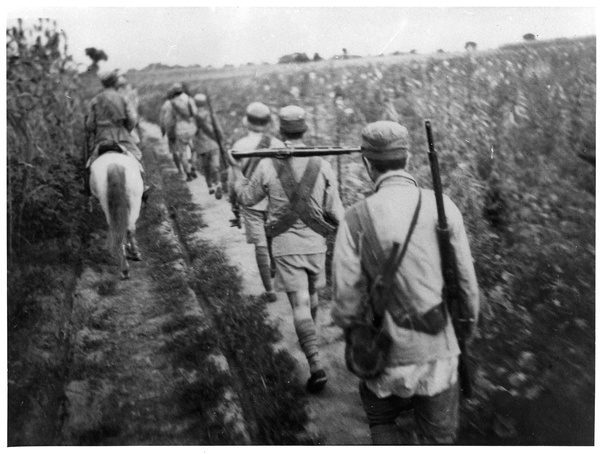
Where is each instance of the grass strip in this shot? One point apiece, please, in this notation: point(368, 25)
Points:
point(270, 392)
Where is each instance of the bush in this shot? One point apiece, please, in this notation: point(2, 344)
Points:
point(44, 136)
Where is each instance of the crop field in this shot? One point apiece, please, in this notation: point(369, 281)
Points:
point(515, 131)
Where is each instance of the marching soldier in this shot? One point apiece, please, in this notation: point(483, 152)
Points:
point(257, 120)
point(177, 122)
point(207, 148)
point(304, 207)
point(421, 369)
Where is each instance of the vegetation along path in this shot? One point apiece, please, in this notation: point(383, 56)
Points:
point(187, 351)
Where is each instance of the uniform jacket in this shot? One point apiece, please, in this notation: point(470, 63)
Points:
point(420, 274)
point(205, 142)
point(249, 143)
point(112, 118)
point(177, 118)
point(264, 183)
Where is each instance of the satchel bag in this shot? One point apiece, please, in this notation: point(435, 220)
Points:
point(367, 344)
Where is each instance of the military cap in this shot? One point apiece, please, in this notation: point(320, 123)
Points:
point(258, 114)
point(384, 141)
point(292, 119)
point(121, 81)
point(176, 89)
point(109, 79)
point(200, 99)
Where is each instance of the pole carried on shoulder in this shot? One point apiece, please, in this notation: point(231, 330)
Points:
point(299, 152)
point(461, 320)
point(237, 219)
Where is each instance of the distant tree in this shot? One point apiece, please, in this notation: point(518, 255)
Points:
point(296, 57)
point(317, 57)
point(441, 51)
point(529, 37)
point(470, 46)
point(413, 51)
point(345, 53)
point(96, 55)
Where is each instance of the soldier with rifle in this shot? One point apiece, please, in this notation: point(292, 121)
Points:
point(420, 373)
point(207, 145)
point(304, 207)
point(177, 122)
point(257, 120)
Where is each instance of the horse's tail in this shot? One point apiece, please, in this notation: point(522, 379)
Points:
point(118, 208)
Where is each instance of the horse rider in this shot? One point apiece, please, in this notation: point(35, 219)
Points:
point(178, 123)
point(110, 121)
point(206, 146)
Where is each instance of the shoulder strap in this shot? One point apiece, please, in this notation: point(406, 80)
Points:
point(298, 195)
point(177, 109)
point(393, 264)
point(382, 274)
point(250, 165)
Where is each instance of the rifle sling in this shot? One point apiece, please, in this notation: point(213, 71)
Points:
point(249, 166)
point(384, 283)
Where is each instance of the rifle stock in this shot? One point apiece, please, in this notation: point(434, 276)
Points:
point(461, 320)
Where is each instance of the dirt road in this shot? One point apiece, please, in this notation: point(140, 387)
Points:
point(336, 414)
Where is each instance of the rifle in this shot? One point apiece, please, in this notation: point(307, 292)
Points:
point(462, 321)
point(301, 151)
point(235, 208)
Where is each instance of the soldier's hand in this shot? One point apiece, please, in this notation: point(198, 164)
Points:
point(234, 163)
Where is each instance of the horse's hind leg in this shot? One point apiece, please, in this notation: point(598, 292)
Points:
point(133, 250)
point(124, 264)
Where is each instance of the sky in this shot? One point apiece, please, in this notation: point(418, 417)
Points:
point(134, 37)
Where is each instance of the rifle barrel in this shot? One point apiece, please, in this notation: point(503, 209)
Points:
point(435, 175)
point(296, 151)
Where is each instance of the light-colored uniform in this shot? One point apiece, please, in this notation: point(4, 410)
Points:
point(111, 119)
point(418, 364)
point(207, 149)
point(299, 240)
point(255, 216)
point(178, 123)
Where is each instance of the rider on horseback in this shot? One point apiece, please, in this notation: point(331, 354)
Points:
point(110, 122)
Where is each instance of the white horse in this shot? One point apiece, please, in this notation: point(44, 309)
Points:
point(116, 181)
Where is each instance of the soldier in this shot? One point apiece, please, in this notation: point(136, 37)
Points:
point(257, 120)
point(130, 93)
point(304, 207)
point(206, 146)
point(421, 369)
point(177, 121)
point(111, 119)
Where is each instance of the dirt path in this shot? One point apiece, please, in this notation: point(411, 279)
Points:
point(336, 414)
